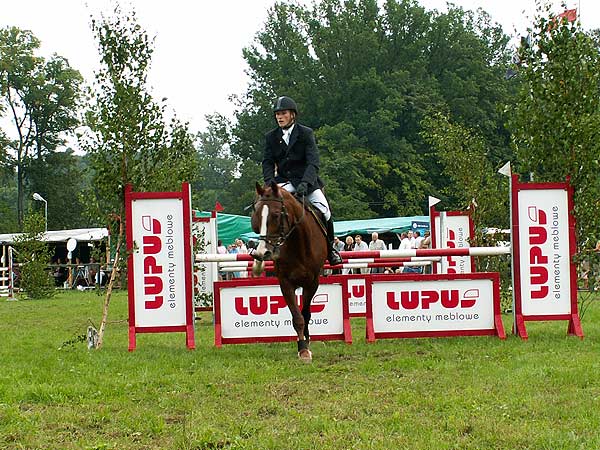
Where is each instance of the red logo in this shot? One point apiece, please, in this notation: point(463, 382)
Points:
point(538, 235)
point(449, 298)
point(357, 291)
point(263, 304)
point(450, 243)
point(151, 245)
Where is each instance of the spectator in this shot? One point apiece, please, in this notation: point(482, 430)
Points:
point(418, 239)
point(411, 238)
point(339, 246)
point(360, 246)
point(221, 249)
point(426, 243)
point(404, 242)
point(376, 244)
point(348, 248)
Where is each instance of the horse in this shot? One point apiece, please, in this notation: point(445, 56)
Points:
point(294, 240)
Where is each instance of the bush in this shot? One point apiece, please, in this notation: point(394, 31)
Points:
point(33, 256)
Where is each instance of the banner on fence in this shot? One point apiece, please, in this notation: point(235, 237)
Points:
point(204, 233)
point(159, 263)
point(452, 229)
point(254, 310)
point(433, 305)
point(543, 233)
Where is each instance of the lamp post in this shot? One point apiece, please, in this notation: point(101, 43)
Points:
point(39, 198)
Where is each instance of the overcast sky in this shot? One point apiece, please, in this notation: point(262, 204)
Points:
point(198, 61)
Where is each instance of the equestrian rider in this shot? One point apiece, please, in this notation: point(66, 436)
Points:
point(291, 159)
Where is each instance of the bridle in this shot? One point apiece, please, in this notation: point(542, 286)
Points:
point(275, 241)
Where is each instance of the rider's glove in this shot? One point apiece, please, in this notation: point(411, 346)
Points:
point(302, 188)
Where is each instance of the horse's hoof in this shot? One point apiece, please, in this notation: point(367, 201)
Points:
point(305, 355)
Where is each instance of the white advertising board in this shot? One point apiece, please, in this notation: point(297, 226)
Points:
point(357, 297)
point(456, 234)
point(248, 312)
point(159, 262)
point(205, 273)
point(545, 258)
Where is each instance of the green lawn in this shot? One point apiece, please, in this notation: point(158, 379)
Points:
point(476, 392)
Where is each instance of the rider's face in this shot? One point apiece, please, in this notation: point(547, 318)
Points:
point(284, 118)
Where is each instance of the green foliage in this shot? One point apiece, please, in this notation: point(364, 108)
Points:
point(33, 257)
point(216, 166)
point(365, 74)
point(556, 120)
point(41, 98)
point(130, 141)
point(472, 180)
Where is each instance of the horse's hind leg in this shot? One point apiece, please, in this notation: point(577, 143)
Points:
point(289, 294)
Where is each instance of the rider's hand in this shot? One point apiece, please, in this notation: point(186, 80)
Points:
point(302, 188)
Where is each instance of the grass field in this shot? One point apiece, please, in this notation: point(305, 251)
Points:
point(443, 393)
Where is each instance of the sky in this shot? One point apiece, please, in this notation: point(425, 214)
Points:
point(197, 64)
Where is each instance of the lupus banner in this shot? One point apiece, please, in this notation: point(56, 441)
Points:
point(452, 229)
point(204, 233)
point(254, 310)
point(159, 263)
point(433, 305)
point(543, 231)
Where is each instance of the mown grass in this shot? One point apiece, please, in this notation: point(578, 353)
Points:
point(443, 393)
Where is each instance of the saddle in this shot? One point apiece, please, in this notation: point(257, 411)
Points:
point(318, 215)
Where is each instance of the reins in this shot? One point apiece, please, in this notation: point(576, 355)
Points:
point(277, 240)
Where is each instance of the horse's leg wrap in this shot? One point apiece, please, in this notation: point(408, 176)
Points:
point(302, 345)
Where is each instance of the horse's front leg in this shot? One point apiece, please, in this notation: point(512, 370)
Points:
point(288, 291)
point(308, 292)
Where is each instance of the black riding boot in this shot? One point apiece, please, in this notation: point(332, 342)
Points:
point(333, 256)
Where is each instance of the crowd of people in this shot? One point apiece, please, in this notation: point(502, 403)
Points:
point(77, 274)
point(408, 240)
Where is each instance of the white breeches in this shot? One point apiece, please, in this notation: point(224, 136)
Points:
point(316, 198)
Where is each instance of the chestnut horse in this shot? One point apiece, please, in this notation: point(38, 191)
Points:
point(293, 239)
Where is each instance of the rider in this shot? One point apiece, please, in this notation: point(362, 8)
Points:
point(291, 158)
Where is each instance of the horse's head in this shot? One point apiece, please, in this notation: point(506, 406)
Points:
point(274, 219)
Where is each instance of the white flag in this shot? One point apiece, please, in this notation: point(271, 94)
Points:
point(433, 201)
point(505, 170)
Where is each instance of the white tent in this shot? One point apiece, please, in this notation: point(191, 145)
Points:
point(81, 234)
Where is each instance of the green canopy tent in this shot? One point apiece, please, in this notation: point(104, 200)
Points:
point(231, 227)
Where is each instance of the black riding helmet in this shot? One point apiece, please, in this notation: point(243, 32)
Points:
point(285, 103)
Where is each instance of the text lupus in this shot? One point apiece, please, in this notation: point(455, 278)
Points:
point(449, 298)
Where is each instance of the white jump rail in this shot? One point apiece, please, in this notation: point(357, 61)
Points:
point(469, 251)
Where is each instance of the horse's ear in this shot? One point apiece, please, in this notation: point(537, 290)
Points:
point(275, 188)
point(259, 189)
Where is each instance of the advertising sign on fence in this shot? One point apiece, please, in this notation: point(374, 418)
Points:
point(452, 229)
point(433, 305)
point(357, 296)
point(159, 263)
point(254, 310)
point(204, 232)
point(544, 244)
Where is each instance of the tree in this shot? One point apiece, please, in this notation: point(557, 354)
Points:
point(472, 179)
point(556, 121)
point(216, 167)
point(365, 74)
point(41, 98)
point(129, 143)
point(60, 178)
point(33, 256)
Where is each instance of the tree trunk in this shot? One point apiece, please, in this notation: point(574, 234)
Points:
point(109, 286)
